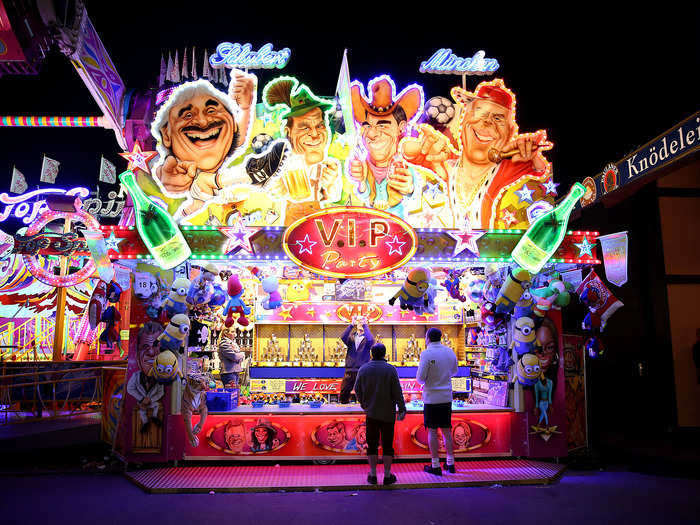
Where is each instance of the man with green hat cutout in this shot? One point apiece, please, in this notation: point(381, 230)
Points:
point(311, 179)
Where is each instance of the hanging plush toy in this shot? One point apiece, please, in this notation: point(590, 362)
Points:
point(451, 284)
point(524, 306)
point(175, 334)
point(493, 283)
point(413, 291)
point(98, 303)
point(431, 293)
point(599, 300)
point(473, 336)
point(110, 335)
point(165, 368)
point(218, 298)
point(235, 303)
point(201, 289)
point(114, 292)
point(176, 302)
point(524, 338)
point(270, 285)
point(594, 346)
point(554, 295)
point(528, 369)
point(489, 317)
point(501, 361)
point(475, 290)
point(512, 289)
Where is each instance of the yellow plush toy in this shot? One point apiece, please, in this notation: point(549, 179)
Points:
point(165, 368)
point(176, 302)
point(413, 292)
point(299, 291)
point(176, 332)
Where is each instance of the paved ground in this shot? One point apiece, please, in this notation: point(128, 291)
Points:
point(579, 498)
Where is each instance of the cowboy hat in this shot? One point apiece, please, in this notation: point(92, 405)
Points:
point(384, 100)
point(265, 423)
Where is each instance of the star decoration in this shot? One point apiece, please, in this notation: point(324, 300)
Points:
point(404, 312)
point(550, 187)
point(112, 242)
point(395, 246)
point(238, 237)
point(311, 312)
point(525, 194)
point(427, 315)
point(286, 311)
point(466, 240)
point(305, 245)
point(138, 158)
point(584, 247)
point(508, 218)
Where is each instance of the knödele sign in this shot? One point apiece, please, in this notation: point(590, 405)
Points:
point(350, 242)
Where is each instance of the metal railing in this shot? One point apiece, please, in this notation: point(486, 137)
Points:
point(49, 393)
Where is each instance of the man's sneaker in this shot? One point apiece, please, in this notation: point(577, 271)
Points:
point(435, 471)
point(372, 480)
point(390, 479)
point(263, 167)
point(450, 468)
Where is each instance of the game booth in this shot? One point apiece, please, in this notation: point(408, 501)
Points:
point(261, 222)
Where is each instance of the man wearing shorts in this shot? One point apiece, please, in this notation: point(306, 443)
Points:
point(438, 363)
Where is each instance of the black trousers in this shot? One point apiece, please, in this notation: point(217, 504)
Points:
point(347, 385)
point(376, 429)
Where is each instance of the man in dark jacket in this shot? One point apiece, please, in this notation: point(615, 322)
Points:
point(379, 392)
point(230, 359)
point(358, 340)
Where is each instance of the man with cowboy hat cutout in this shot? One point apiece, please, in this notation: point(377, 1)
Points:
point(486, 191)
point(383, 180)
point(311, 179)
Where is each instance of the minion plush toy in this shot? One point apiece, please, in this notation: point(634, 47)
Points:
point(524, 338)
point(528, 369)
point(165, 368)
point(430, 294)
point(173, 339)
point(413, 291)
point(512, 289)
point(176, 302)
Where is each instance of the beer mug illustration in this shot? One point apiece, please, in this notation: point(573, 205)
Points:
point(297, 184)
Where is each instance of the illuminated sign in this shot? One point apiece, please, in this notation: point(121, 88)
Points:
point(347, 311)
point(22, 207)
point(350, 242)
point(241, 56)
point(446, 62)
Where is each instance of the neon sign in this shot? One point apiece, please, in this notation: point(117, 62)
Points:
point(444, 61)
point(21, 207)
point(241, 56)
point(350, 242)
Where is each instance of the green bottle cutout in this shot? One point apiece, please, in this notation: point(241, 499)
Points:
point(158, 230)
point(544, 236)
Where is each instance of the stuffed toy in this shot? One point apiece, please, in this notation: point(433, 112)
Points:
point(431, 293)
point(528, 369)
point(175, 334)
point(473, 336)
point(270, 285)
point(594, 347)
point(201, 289)
point(176, 302)
point(501, 362)
point(451, 284)
point(524, 306)
point(235, 303)
point(512, 289)
point(413, 291)
point(98, 303)
point(194, 401)
point(493, 283)
point(599, 300)
point(218, 298)
point(165, 368)
point(554, 295)
point(299, 291)
point(114, 292)
point(524, 339)
point(475, 290)
point(489, 317)
point(110, 335)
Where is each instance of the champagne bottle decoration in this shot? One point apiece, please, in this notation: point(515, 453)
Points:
point(544, 236)
point(158, 230)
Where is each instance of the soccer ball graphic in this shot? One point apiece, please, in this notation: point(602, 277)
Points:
point(439, 111)
point(260, 142)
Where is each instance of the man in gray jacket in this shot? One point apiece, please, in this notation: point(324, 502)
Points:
point(379, 392)
point(230, 357)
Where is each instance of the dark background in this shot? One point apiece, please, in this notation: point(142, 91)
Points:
point(600, 81)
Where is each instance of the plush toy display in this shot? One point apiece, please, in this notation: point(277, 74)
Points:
point(298, 291)
point(176, 302)
point(413, 291)
point(270, 285)
point(524, 338)
point(528, 369)
point(452, 285)
point(512, 289)
point(599, 300)
point(175, 334)
point(165, 368)
point(235, 303)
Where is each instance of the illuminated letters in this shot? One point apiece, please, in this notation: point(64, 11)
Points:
point(240, 56)
point(374, 234)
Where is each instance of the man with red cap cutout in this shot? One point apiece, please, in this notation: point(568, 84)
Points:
point(495, 174)
point(383, 180)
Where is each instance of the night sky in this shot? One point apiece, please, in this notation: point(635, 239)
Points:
point(602, 83)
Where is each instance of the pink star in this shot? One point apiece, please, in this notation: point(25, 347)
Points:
point(395, 246)
point(238, 237)
point(138, 158)
point(305, 245)
point(466, 240)
point(508, 218)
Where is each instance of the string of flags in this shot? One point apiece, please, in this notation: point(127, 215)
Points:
point(49, 173)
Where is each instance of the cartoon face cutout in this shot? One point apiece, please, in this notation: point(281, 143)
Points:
point(308, 135)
